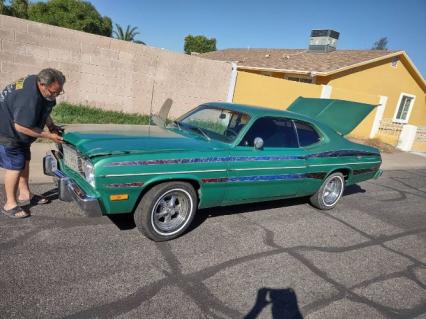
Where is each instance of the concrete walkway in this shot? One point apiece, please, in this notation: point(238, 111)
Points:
point(391, 161)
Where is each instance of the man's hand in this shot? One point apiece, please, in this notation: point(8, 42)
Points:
point(53, 128)
point(55, 138)
point(56, 129)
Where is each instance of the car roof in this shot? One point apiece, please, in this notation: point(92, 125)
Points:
point(259, 111)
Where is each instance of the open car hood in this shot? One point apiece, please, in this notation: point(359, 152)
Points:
point(343, 116)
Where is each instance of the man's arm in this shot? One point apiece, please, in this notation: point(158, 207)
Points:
point(53, 128)
point(38, 133)
point(49, 123)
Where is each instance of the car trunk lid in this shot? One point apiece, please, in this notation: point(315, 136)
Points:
point(343, 116)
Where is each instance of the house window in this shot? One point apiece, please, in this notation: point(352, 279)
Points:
point(299, 79)
point(405, 105)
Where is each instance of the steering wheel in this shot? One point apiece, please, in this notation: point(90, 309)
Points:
point(231, 132)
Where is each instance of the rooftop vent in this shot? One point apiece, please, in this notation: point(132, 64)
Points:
point(323, 40)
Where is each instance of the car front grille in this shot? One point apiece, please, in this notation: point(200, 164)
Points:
point(71, 158)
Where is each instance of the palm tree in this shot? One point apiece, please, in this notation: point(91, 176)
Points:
point(128, 35)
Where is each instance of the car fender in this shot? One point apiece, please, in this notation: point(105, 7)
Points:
point(192, 179)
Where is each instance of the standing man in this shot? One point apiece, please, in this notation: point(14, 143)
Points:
point(25, 107)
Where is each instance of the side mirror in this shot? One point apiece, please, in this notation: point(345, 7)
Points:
point(258, 143)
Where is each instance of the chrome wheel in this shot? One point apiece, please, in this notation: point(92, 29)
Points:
point(333, 190)
point(171, 211)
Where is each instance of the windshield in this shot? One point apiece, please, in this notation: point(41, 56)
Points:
point(214, 123)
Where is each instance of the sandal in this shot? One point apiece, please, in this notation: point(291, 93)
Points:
point(15, 212)
point(35, 200)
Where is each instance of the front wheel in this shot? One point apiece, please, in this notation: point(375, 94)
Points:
point(329, 193)
point(166, 210)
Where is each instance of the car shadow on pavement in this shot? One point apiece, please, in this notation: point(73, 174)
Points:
point(123, 221)
point(204, 214)
point(353, 189)
point(283, 304)
point(126, 221)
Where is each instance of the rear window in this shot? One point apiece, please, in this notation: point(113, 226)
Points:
point(306, 133)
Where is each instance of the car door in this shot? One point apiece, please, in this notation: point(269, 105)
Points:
point(316, 170)
point(274, 171)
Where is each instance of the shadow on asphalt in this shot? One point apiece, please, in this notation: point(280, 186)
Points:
point(253, 207)
point(123, 221)
point(51, 195)
point(353, 189)
point(126, 222)
point(283, 304)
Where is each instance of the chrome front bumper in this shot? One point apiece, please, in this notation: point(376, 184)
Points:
point(68, 189)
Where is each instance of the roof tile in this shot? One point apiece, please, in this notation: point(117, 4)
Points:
point(296, 59)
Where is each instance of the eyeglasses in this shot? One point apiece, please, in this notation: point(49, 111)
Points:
point(53, 93)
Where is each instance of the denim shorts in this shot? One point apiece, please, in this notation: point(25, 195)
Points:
point(14, 157)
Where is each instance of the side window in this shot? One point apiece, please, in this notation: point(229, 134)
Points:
point(307, 134)
point(238, 121)
point(275, 132)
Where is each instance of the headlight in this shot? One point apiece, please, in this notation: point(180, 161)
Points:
point(89, 172)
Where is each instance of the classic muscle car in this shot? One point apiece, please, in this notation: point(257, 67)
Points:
point(215, 155)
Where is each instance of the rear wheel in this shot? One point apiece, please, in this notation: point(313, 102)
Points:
point(329, 193)
point(166, 210)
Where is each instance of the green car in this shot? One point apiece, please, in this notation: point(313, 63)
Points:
point(215, 155)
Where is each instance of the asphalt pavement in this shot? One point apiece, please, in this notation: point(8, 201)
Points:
point(364, 259)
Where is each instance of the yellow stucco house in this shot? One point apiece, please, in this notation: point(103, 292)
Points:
point(275, 77)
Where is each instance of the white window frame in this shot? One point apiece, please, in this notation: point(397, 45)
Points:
point(401, 96)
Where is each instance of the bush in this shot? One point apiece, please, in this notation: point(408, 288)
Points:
point(67, 113)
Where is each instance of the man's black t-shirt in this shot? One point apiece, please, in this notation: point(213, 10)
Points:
point(21, 102)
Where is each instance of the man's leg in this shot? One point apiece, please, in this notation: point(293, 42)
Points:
point(11, 179)
point(13, 161)
point(24, 187)
point(25, 194)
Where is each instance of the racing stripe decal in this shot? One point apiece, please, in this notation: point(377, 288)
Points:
point(123, 185)
point(224, 159)
point(264, 178)
point(221, 159)
point(341, 153)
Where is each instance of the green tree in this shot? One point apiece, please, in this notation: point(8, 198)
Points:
point(380, 44)
point(73, 14)
point(128, 35)
point(15, 8)
point(19, 8)
point(3, 8)
point(199, 44)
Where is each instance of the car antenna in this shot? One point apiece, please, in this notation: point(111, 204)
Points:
point(150, 109)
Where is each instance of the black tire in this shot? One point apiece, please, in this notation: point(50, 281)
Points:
point(329, 193)
point(166, 211)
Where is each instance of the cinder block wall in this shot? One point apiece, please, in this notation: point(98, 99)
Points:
point(109, 73)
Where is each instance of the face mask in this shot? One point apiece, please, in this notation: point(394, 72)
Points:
point(50, 98)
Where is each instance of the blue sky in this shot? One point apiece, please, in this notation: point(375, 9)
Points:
point(274, 23)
